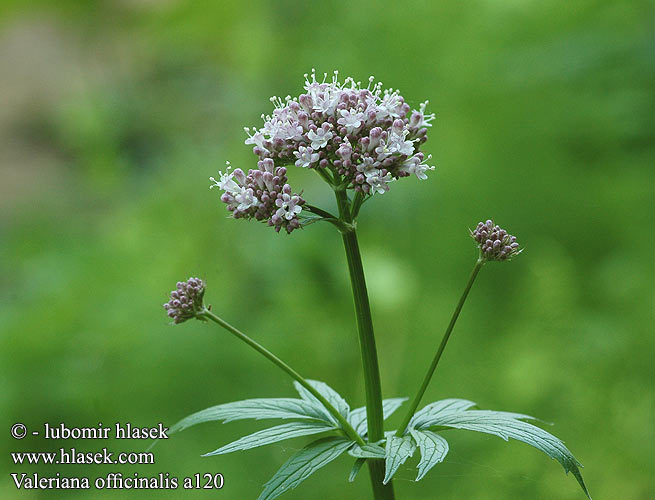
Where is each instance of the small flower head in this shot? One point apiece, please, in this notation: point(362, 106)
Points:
point(494, 242)
point(186, 300)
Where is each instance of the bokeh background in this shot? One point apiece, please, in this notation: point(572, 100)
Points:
point(113, 114)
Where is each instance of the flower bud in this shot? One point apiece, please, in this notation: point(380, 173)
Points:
point(494, 242)
point(186, 300)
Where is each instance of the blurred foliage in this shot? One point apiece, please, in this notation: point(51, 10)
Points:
point(113, 114)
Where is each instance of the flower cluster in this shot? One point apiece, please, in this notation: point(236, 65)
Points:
point(363, 137)
point(366, 135)
point(262, 194)
point(186, 300)
point(495, 243)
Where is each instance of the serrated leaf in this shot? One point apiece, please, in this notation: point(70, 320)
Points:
point(507, 425)
point(433, 450)
point(398, 450)
point(304, 463)
point(257, 409)
point(367, 451)
point(357, 417)
point(434, 409)
point(273, 435)
point(333, 397)
point(355, 470)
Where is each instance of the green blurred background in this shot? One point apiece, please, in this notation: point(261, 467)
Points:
point(114, 114)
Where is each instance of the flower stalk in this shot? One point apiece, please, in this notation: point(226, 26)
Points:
point(347, 428)
point(442, 346)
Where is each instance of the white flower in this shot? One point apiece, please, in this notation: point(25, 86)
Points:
point(379, 184)
point(288, 206)
point(257, 138)
point(239, 197)
point(419, 119)
point(306, 157)
point(389, 105)
point(290, 131)
point(351, 119)
point(414, 166)
point(245, 198)
point(226, 182)
point(383, 150)
point(374, 178)
point(324, 96)
point(398, 144)
point(327, 101)
point(272, 128)
point(319, 138)
point(367, 165)
point(314, 89)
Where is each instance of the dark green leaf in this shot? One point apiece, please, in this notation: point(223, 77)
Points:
point(398, 450)
point(304, 463)
point(508, 425)
point(328, 393)
point(434, 409)
point(367, 451)
point(273, 435)
point(433, 450)
point(254, 408)
point(355, 470)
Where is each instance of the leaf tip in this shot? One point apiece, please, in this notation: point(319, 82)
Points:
point(578, 477)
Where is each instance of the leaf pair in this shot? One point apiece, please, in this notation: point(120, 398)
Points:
point(310, 417)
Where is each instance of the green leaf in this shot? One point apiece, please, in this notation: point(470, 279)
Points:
point(435, 409)
point(433, 450)
point(398, 450)
point(367, 451)
point(333, 397)
point(254, 408)
point(508, 425)
point(356, 466)
point(273, 435)
point(357, 417)
point(304, 463)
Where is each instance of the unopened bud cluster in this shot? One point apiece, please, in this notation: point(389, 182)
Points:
point(495, 243)
point(186, 300)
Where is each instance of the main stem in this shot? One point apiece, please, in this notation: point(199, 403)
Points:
point(366, 338)
point(374, 414)
point(442, 346)
point(347, 428)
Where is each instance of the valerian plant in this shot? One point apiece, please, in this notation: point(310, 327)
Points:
point(359, 140)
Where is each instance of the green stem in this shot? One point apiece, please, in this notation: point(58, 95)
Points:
point(442, 346)
point(374, 414)
point(328, 217)
point(376, 471)
point(319, 211)
point(347, 428)
point(366, 338)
